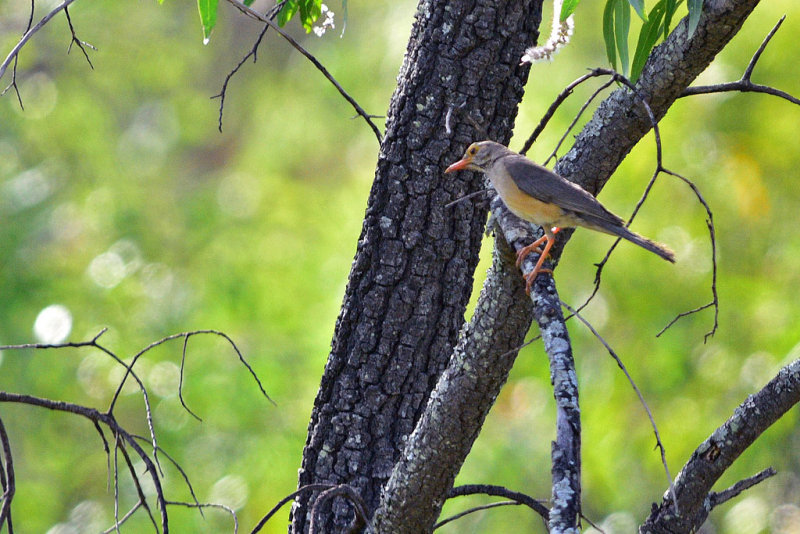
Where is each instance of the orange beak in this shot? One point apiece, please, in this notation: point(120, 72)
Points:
point(460, 164)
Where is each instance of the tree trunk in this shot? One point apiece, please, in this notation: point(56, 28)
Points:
point(412, 274)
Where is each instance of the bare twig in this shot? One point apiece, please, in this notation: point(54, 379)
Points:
point(252, 13)
point(659, 169)
point(474, 509)
point(466, 197)
point(342, 490)
point(7, 479)
point(577, 118)
point(109, 421)
point(501, 491)
point(562, 96)
point(282, 502)
point(82, 45)
point(13, 83)
point(716, 498)
point(744, 84)
point(271, 14)
point(200, 507)
point(714, 296)
point(30, 33)
point(659, 443)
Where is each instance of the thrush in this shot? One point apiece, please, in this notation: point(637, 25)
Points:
point(539, 195)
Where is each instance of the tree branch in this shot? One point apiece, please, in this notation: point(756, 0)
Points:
point(744, 84)
point(252, 13)
point(716, 454)
point(458, 405)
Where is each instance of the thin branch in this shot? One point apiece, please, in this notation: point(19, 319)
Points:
point(468, 511)
point(13, 83)
point(712, 233)
point(577, 118)
point(467, 197)
point(108, 420)
point(659, 443)
point(342, 490)
point(282, 502)
point(30, 33)
point(297, 46)
point(562, 96)
point(76, 41)
point(9, 484)
point(501, 491)
point(712, 458)
point(716, 498)
point(200, 507)
point(744, 84)
point(252, 53)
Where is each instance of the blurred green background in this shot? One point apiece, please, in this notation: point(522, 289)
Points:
point(122, 206)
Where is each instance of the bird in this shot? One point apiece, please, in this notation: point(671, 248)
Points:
point(538, 195)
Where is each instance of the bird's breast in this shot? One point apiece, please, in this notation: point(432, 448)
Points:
point(527, 207)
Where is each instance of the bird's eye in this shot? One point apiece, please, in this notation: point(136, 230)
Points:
point(472, 150)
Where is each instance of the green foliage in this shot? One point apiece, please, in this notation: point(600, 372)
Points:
point(655, 26)
point(309, 11)
point(208, 16)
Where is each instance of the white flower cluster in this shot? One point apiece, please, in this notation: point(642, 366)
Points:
point(559, 36)
point(327, 23)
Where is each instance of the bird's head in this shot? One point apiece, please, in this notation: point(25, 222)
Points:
point(478, 156)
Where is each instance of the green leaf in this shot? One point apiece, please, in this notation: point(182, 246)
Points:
point(638, 5)
point(695, 8)
point(608, 32)
point(287, 12)
point(622, 25)
point(248, 2)
point(672, 7)
point(567, 9)
point(208, 16)
point(309, 12)
point(648, 36)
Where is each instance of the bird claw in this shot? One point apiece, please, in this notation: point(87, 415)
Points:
point(530, 278)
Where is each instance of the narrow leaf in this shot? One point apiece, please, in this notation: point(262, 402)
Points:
point(608, 33)
point(695, 8)
point(567, 9)
point(248, 2)
point(622, 25)
point(638, 5)
point(672, 7)
point(648, 36)
point(208, 17)
point(287, 12)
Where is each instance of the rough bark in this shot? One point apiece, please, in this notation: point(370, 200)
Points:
point(415, 493)
point(412, 274)
point(716, 454)
point(619, 123)
point(398, 322)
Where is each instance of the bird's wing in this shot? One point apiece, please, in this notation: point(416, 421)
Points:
point(545, 185)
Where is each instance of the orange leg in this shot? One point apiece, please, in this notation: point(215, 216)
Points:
point(533, 247)
point(548, 239)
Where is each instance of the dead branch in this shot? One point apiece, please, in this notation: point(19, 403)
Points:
point(288, 498)
point(30, 33)
point(82, 45)
point(716, 454)
point(252, 13)
point(744, 84)
point(501, 491)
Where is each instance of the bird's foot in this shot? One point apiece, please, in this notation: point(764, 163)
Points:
point(533, 247)
point(530, 278)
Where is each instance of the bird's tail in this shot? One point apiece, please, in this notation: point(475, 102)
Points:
point(652, 246)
